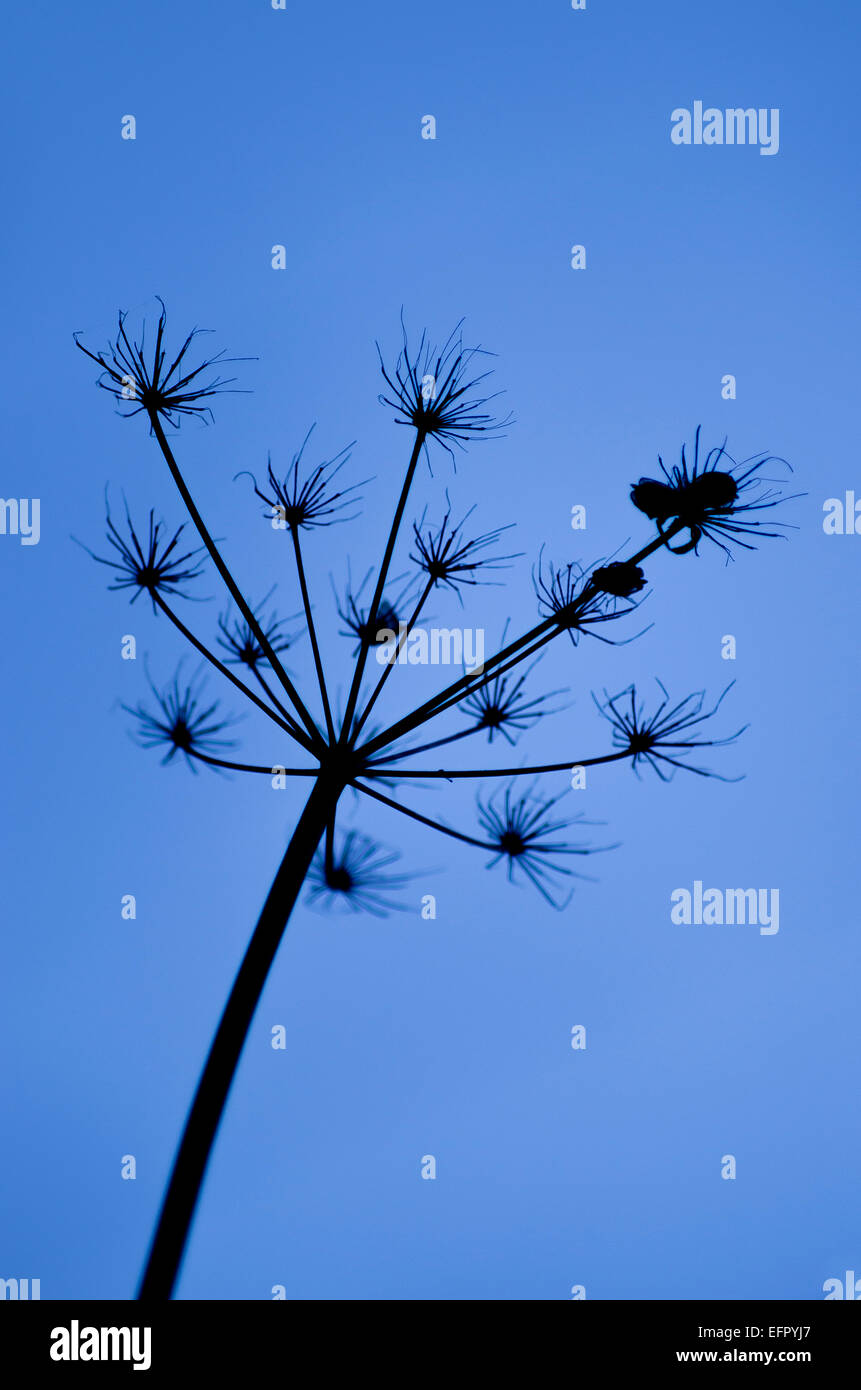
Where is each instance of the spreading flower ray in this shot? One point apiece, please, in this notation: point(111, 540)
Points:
point(182, 722)
point(140, 383)
point(309, 500)
point(433, 391)
point(521, 830)
point(355, 877)
point(150, 565)
point(648, 737)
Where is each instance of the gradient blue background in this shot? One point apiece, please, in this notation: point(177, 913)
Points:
point(406, 1037)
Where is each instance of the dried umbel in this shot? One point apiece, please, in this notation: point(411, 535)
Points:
point(714, 497)
point(446, 558)
point(663, 738)
point(521, 831)
point(435, 391)
point(440, 396)
point(579, 600)
point(353, 876)
point(310, 499)
point(182, 724)
point(237, 638)
point(152, 565)
point(149, 380)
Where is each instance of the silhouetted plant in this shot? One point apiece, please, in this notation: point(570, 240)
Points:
point(434, 393)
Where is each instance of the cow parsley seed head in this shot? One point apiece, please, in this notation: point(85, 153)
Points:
point(665, 737)
point(182, 723)
point(569, 596)
point(149, 563)
point(502, 707)
point(154, 380)
point(308, 498)
point(434, 390)
point(522, 831)
point(356, 877)
point(446, 558)
point(712, 497)
point(237, 638)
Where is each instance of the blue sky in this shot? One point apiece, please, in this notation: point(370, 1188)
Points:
point(451, 1037)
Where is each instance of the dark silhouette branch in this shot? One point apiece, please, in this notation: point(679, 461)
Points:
point(275, 768)
point(452, 773)
point(381, 584)
point(235, 593)
point(288, 724)
point(423, 820)
point(264, 685)
point(522, 648)
point(425, 747)
point(309, 618)
point(402, 637)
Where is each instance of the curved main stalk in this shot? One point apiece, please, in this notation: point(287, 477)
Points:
point(207, 1108)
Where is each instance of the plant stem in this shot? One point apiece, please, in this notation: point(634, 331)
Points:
point(207, 1108)
point(312, 632)
point(423, 748)
point(545, 631)
point(287, 723)
point(408, 627)
point(253, 767)
point(485, 677)
point(233, 588)
point(450, 774)
point(423, 820)
point(271, 693)
point(468, 684)
point(381, 584)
